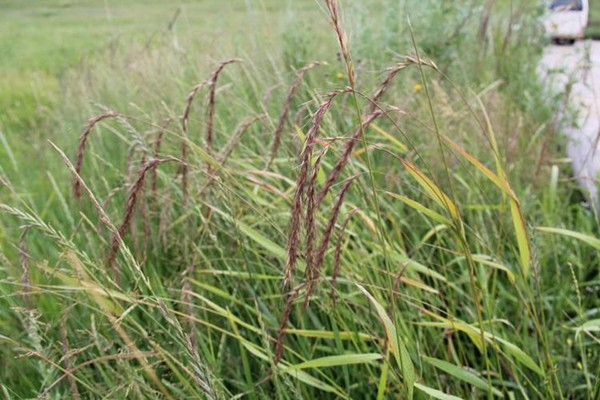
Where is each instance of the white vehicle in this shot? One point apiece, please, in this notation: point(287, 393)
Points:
point(567, 20)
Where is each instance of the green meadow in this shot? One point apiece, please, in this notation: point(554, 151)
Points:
point(593, 30)
point(300, 199)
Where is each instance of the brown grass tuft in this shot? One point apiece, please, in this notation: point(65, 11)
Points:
point(81, 148)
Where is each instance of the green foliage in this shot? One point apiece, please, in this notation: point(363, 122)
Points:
point(467, 266)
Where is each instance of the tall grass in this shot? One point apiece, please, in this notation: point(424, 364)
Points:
point(396, 223)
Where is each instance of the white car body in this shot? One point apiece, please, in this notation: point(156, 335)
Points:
point(566, 22)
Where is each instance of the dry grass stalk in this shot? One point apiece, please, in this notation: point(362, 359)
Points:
point(212, 84)
point(185, 123)
point(24, 259)
point(185, 120)
point(317, 259)
point(334, 14)
point(398, 278)
point(131, 203)
point(157, 144)
point(144, 217)
point(286, 109)
point(285, 317)
point(391, 74)
point(81, 148)
point(343, 160)
point(64, 337)
point(295, 225)
point(338, 255)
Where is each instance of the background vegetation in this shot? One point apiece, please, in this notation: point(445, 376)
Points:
point(593, 30)
point(395, 220)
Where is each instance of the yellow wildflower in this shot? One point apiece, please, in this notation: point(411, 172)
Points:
point(418, 87)
point(339, 75)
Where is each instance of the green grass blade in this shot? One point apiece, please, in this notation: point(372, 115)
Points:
point(592, 241)
point(436, 394)
point(461, 374)
point(335, 361)
point(397, 346)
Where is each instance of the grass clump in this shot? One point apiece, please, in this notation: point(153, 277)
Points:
point(391, 221)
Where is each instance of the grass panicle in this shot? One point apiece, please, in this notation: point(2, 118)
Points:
point(297, 202)
point(319, 257)
point(132, 199)
point(83, 137)
point(286, 108)
point(343, 160)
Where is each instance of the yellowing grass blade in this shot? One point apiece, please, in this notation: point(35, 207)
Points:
point(421, 209)
point(515, 208)
point(397, 346)
point(412, 265)
point(492, 136)
point(401, 146)
point(342, 335)
point(497, 180)
point(489, 261)
point(592, 241)
point(419, 285)
point(436, 394)
point(521, 233)
point(432, 189)
point(517, 353)
point(467, 329)
point(337, 361)
point(460, 373)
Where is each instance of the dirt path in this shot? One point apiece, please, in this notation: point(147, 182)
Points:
point(579, 65)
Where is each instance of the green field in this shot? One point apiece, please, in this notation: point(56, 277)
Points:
point(593, 30)
point(299, 199)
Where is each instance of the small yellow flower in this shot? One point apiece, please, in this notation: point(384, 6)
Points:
point(339, 75)
point(418, 87)
point(570, 342)
point(579, 365)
